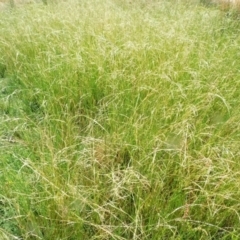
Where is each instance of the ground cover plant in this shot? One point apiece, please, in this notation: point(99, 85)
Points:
point(119, 120)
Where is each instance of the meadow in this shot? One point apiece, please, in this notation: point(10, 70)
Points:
point(119, 120)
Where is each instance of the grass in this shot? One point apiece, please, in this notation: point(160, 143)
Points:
point(119, 120)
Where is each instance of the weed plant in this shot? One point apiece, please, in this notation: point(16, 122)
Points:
point(119, 120)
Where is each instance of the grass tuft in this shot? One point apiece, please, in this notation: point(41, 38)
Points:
point(119, 120)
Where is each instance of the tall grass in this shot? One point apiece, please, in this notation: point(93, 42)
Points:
point(119, 120)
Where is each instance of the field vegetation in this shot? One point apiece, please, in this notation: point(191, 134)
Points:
point(119, 120)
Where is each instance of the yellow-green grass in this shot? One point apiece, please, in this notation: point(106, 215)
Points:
point(119, 120)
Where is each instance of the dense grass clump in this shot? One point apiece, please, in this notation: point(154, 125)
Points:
point(119, 120)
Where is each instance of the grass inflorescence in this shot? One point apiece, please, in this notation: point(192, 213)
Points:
point(119, 120)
